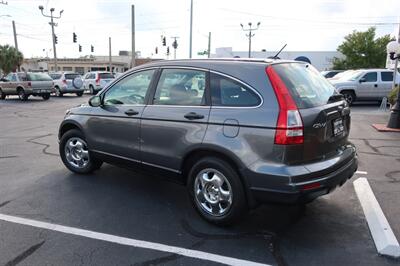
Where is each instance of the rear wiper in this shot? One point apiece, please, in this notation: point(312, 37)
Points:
point(335, 98)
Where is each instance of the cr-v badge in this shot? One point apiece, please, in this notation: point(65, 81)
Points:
point(319, 125)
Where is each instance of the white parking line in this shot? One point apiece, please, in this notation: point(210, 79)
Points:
point(130, 242)
point(385, 241)
point(361, 172)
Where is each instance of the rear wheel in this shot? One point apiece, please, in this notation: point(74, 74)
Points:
point(91, 89)
point(2, 95)
point(79, 94)
point(22, 95)
point(349, 96)
point(216, 191)
point(75, 154)
point(58, 92)
point(46, 96)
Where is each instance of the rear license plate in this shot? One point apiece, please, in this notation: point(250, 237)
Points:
point(338, 127)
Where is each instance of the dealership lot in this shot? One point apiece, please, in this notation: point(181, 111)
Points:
point(120, 203)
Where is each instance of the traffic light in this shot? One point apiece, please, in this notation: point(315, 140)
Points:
point(80, 48)
point(168, 50)
point(74, 37)
point(164, 41)
point(175, 44)
point(55, 39)
point(92, 48)
point(156, 50)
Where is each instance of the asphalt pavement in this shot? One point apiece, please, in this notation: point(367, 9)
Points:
point(35, 185)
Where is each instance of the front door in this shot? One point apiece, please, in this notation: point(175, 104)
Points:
point(114, 127)
point(177, 119)
point(368, 87)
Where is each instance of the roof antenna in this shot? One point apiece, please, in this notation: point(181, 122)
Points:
point(276, 56)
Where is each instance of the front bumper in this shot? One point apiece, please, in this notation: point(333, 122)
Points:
point(303, 187)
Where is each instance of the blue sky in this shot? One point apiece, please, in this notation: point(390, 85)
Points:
point(303, 25)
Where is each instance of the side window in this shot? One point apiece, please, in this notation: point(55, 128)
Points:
point(130, 90)
point(181, 87)
point(9, 77)
point(371, 77)
point(387, 76)
point(14, 78)
point(92, 76)
point(227, 92)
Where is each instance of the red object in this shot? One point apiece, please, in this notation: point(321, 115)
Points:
point(311, 186)
point(98, 80)
point(285, 133)
point(29, 84)
point(64, 82)
point(384, 128)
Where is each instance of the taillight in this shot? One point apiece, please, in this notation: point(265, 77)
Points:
point(98, 80)
point(64, 81)
point(289, 128)
point(29, 84)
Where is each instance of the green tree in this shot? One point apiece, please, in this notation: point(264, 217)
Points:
point(10, 58)
point(362, 50)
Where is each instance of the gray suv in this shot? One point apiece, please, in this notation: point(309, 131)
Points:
point(236, 132)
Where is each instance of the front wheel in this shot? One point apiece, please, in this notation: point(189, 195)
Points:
point(349, 96)
point(58, 92)
point(216, 191)
point(22, 95)
point(75, 154)
point(46, 96)
point(2, 95)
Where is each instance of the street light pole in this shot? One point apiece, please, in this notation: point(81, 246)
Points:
point(52, 24)
point(250, 34)
point(393, 48)
point(191, 29)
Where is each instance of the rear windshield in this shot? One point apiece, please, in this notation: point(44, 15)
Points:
point(306, 85)
point(72, 76)
point(39, 77)
point(106, 75)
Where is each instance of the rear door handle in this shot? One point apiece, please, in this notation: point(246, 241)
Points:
point(131, 112)
point(193, 116)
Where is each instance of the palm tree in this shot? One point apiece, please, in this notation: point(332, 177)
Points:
point(10, 58)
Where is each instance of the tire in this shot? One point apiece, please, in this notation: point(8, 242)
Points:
point(79, 94)
point(349, 96)
point(91, 89)
point(73, 154)
point(206, 192)
point(46, 96)
point(2, 95)
point(22, 95)
point(58, 92)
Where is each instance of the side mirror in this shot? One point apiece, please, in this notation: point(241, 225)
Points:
point(4, 80)
point(95, 101)
point(362, 80)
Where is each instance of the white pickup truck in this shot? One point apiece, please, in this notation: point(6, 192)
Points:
point(25, 84)
point(365, 84)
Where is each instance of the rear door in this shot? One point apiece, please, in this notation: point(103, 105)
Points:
point(177, 119)
point(69, 79)
point(324, 113)
point(386, 83)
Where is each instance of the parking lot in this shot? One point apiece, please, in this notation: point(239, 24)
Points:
point(134, 205)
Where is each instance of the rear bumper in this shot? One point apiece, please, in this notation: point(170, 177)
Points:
point(303, 188)
point(72, 90)
point(38, 91)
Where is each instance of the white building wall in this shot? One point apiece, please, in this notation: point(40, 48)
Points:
point(322, 60)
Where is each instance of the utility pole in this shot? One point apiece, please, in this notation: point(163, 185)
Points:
point(209, 45)
point(52, 24)
point(191, 28)
point(133, 63)
point(250, 34)
point(109, 56)
point(394, 118)
point(3, 3)
point(175, 45)
point(15, 39)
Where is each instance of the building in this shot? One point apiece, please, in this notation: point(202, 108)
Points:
point(120, 63)
point(321, 60)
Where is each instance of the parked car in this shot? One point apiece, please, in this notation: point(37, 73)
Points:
point(26, 84)
point(96, 81)
point(330, 73)
point(67, 82)
point(238, 132)
point(341, 75)
point(365, 84)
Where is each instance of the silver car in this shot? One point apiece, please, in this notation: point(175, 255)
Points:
point(96, 81)
point(365, 84)
point(67, 82)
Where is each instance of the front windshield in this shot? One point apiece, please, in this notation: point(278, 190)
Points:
point(352, 76)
